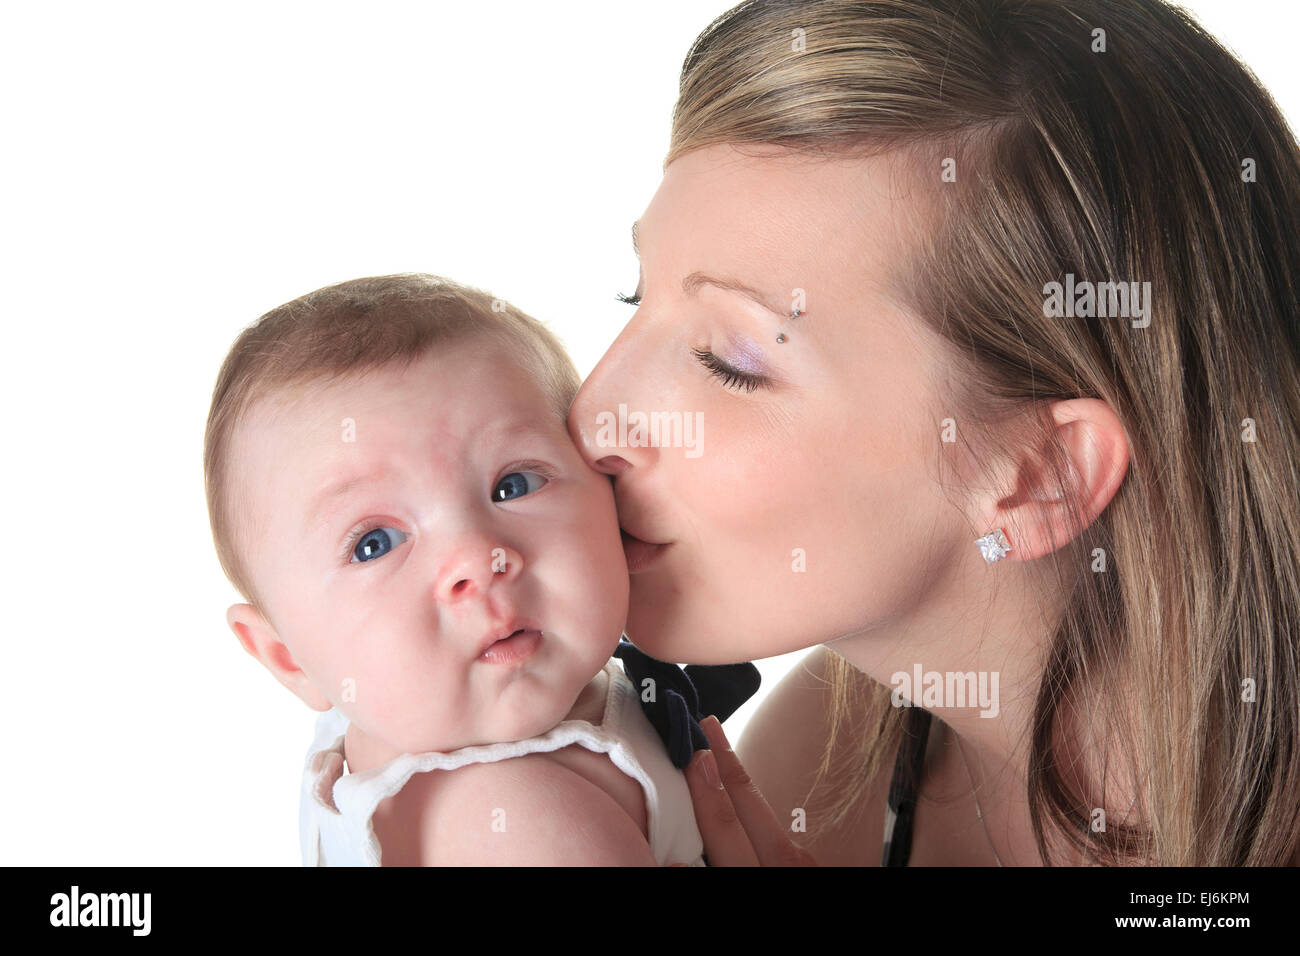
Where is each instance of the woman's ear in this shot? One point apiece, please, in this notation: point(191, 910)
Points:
point(1034, 516)
point(259, 638)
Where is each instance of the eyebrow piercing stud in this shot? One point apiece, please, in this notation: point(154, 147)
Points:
point(794, 314)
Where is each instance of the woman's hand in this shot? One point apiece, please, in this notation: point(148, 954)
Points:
point(738, 826)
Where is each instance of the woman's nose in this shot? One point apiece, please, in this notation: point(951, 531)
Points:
point(598, 418)
point(606, 439)
point(611, 464)
point(582, 423)
point(474, 567)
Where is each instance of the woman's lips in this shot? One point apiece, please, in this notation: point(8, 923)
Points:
point(640, 554)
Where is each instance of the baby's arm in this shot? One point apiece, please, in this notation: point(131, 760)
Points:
point(526, 811)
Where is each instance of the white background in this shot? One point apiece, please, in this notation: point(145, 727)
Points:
point(170, 172)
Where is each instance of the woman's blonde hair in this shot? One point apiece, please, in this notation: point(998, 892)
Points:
point(1113, 140)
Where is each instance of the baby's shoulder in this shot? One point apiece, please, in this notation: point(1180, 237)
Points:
point(531, 810)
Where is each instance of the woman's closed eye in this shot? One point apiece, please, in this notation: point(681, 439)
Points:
point(730, 377)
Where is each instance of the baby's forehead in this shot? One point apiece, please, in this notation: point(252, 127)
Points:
point(452, 396)
point(336, 421)
point(494, 380)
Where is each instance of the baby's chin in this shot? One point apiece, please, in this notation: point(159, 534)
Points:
point(528, 708)
point(518, 726)
point(505, 726)
point(543, 712)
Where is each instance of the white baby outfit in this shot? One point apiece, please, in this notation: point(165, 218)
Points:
point(335, 810)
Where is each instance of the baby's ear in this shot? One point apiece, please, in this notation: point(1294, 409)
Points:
point(259, 638)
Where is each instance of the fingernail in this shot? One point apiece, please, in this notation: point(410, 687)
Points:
point(717, 738)
point(710, 768)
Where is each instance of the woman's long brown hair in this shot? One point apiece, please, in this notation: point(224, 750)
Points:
point(1113, 140)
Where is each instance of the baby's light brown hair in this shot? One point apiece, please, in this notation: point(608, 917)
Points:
point(349, 328)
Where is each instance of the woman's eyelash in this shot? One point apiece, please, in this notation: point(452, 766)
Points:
point(731, 378)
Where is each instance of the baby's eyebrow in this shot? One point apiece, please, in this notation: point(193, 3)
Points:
point(334, 490)
point(515, 429)
point(337, 489)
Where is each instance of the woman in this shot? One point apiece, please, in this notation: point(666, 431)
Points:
point(932, 272)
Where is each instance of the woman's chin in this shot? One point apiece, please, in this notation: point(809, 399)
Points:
point(681, 635)
point(650, 627)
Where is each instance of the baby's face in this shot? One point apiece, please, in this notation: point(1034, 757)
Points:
point(384, 509)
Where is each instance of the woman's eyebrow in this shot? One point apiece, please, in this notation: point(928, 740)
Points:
point(693, 282)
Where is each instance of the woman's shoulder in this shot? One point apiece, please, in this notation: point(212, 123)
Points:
point(782, 748)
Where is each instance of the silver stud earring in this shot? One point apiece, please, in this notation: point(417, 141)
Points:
point(993, 546)
point(781, 337)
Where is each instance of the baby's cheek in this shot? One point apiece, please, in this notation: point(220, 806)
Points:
point(596, 523)
point(591, 569)
point(606, 567)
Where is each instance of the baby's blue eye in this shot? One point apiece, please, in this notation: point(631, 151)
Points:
point(376, 543)
point(516, 485)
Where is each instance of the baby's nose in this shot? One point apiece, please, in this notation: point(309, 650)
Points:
point(475, 568)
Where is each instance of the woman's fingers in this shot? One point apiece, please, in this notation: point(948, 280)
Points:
point(725, 840)
point(768, 835)
point(738, 826)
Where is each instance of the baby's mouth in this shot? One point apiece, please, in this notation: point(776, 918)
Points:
point(516, 646)
point(511, 627)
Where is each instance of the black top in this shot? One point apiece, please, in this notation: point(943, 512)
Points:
point(903, 787)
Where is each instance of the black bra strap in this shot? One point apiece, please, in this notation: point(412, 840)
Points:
point(903, 788)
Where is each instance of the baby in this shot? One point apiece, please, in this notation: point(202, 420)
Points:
point(430, 562)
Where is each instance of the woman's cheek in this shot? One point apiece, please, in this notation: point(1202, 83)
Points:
point(821, 523)
point(744, 470)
